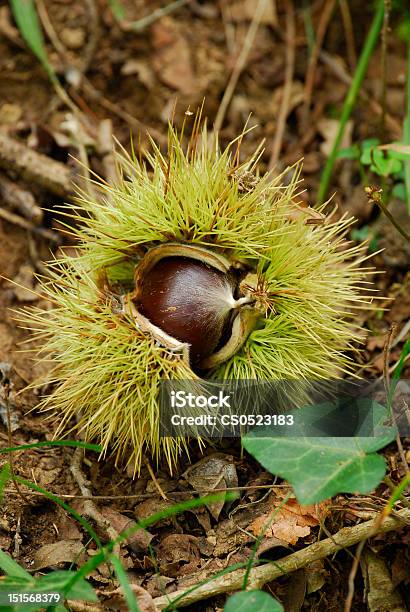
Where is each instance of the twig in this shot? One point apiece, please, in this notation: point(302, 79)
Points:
point(259, 576)
point(93, 34)
point(89, 507)
point(41, 231)
point(17, 537)
point(155, 481)
point(385, 30)
point(141, 24)
point(311, 70)
point(49, 28)
point(95, 95)
point(349, 34)
point(20, 199)
point(6, 388)
point(350, 99)
point(35, 167)
point(352, 576)
point(142, 496)
point(105, 149)
point(287, 87)
point(240, 64)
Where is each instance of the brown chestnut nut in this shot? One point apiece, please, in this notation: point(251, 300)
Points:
point(190, 301)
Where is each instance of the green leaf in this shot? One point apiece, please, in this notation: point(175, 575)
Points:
point(25, 14)
point(248, 601)
point(4, 477)
point(366, 146)
point(379, 162)
point(12, 568)
point(385, 166)
point(58, 581)
point(352, 152)
point(125, 584)
point(321, 467)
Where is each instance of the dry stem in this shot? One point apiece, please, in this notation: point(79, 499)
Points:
point(89, 506)
point(240, 64)
point(347, 536)
point(35, 167)
point(287, 87)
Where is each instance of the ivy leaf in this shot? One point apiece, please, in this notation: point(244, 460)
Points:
point(321, 467)
point(248, 601)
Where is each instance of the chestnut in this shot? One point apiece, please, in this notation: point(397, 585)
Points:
point(189, 298)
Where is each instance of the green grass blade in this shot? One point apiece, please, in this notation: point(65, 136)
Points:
point(4, 477)
point(74, 443)
point(406, 133)
point(351, 97)
point(25, 14)
point(12, 568)
point(117, 9)
point(125, 584)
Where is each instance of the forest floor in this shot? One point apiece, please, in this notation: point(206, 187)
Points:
point(126, 82)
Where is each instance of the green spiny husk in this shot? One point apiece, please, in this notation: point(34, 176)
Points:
point(108, 371)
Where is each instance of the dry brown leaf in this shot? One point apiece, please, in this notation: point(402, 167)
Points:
point(214, 472)
point(172, 59)
point(179, 548)
point(117, 601)
point(290, 522)
point(138, 541)
point(52, 555)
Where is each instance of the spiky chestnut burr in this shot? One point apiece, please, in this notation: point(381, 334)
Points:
point(269, 291)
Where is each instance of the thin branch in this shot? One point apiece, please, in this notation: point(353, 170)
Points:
point(35, 167)
point(259, 576)
point(287, 87)
point(89, 507)
point(349, 34)
point(311, 70)
point(384, 34)
point(240, 64)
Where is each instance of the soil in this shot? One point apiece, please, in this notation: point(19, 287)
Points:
point(132, 82)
